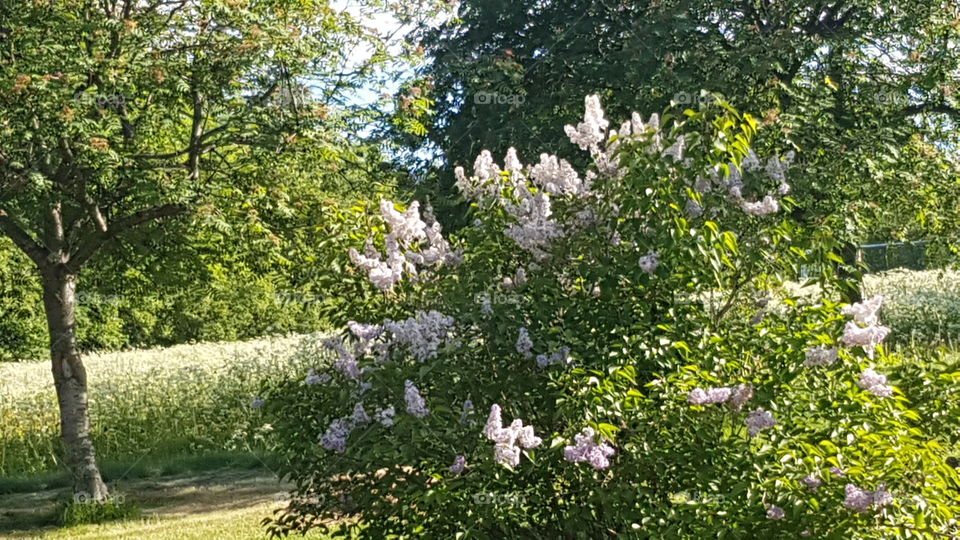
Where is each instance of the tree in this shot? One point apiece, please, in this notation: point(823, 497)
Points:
point(118, 114)
point(864, 89)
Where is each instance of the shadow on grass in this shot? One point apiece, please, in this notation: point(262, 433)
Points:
point(182, 486)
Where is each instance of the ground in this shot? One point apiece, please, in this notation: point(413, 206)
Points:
point(216, 504)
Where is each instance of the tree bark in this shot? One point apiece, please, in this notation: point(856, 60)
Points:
point(70, 380)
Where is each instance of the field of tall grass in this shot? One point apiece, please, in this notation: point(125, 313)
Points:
point(188, 400)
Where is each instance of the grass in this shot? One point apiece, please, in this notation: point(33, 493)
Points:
point(216, 504)
point(188, 400)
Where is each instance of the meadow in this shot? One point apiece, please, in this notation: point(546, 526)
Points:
point(150, 405)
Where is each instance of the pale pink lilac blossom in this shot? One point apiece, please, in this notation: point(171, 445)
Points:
point(820, 356)
point(416, 405)
point(759, 420)
point(586, 450)
point(875, 383)
point(509, 440)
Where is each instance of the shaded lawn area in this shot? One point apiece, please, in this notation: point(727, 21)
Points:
point(225, 503)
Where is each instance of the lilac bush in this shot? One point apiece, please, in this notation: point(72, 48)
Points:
point(630, 320)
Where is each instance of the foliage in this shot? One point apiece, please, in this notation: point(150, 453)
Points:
point(866, 91)
point(923, 307)
point(635, 301)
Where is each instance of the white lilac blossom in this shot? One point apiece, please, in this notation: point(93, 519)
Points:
point(872, 333)
point(511, 162)
point(557, 176)
point(837, 471)
point(820, 356)
point(494, 422)
point(710, 396)
point(867, 337)
point(459, 464)
point(650, 262)
point(595, 292)
point(775, 512)
point(535, 229)
point(675, 150)
point(591, 132)
point(524, 343)
point(812, 482)
point(365, 332)
point(866, 312)
point(759, 420)
point(860, 500)
point(875, 383)
point(768, 205)
point(586, 450)
point(509, 440)
point(422, 334)
point(416, 405)
point(561, 356)
point(335, 438)
point(385, 416)
point(409, 243)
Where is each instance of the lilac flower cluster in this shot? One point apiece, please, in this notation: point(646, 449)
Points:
point(335, 438)
point(560, 356)
point(875, 383)
point(421, 334)
point(812, 482)
point(409, 243)
point(586, 450)
point(775, 512)
point(820, 356)
point(860, 500)
point(509, 440)
point(314, 378)
point(759, 420)
point(865, 329)
point(416, 405)
point(346, 361)
point(736, 396)
point(524, 344)
point(459, 465)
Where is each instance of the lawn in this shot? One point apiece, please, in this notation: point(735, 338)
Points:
point(223, 503)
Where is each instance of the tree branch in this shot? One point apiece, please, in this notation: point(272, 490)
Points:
point(37, 253)
point(87, 248)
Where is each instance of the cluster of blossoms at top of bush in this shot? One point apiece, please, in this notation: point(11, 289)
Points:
point(411, 243)
point(527, 196)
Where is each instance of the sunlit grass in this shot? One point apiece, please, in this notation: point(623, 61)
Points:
point(184, 400)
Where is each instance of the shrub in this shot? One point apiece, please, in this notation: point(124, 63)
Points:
point(924, 307)
point(599, 355)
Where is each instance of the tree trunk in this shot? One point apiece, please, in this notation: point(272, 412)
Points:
point(70, 380)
